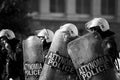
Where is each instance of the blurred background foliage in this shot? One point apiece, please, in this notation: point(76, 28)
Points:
point(13, 15)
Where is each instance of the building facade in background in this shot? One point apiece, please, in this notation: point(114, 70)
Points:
point(54, 13)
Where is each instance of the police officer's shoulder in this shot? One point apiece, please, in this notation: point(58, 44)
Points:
point(108, 34)
point(13, 41)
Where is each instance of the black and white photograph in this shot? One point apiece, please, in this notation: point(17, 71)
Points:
point(59, 39)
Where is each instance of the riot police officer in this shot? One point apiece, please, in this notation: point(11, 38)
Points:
point(9, 45)
point(101, 26)
point(47, 36)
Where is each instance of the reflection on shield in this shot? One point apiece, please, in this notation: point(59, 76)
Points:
point(33, 58)
point(89, 59)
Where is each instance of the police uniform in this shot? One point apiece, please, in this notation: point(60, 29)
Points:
point(101, 26)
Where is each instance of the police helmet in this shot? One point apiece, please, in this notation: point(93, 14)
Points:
point(71, 28)
point(8, 33)
point(101, 22)
point(47, 34)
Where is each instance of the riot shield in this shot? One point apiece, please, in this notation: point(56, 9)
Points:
point(90, 60)
point(33, 58)
point(58, 65)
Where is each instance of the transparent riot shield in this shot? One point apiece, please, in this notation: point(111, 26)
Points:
point(90, 59)
point(58, 65)
point(33, 58)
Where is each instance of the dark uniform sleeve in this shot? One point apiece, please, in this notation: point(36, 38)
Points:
point(111, 47)
point(19, 56)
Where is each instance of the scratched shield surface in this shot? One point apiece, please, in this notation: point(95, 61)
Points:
point(58, 65)
point(89, 59)
point(33, 58)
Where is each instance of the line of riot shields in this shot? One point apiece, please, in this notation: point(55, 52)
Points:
point(63, 55)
